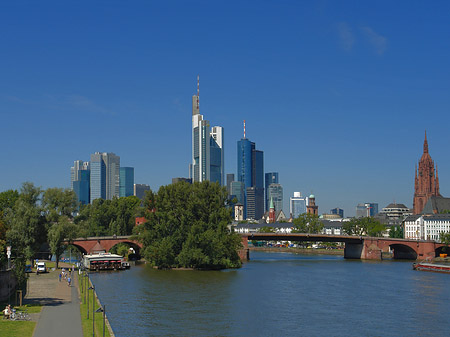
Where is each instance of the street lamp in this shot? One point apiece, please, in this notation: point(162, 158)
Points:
point(88, 299)
point(103, 309)
point(86, 276)
point(93, 309)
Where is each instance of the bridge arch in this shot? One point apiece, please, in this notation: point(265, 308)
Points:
point(442, 250)
point(403, 252)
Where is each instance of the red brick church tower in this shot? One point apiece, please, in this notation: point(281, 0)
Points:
point(426, 180)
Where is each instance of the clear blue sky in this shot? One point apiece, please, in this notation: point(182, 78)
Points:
point(337, 94)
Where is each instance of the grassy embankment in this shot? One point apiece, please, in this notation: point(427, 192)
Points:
point(19, 328)
point(98, 316)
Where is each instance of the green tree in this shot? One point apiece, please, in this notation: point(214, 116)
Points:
point(307, 223)
point(59, 231)
point(445, 239)
point(396, 232)
point(27, 230)
point(58, 202)
point(27, 224)
point(365, 226)
point(187, 227)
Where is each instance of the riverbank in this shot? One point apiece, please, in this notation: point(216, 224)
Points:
point(311, 251)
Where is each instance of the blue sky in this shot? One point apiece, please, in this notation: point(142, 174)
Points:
point(337, 94)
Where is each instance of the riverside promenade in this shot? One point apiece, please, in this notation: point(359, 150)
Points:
point(60, 315)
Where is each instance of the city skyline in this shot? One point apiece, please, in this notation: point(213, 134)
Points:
point(337, 95)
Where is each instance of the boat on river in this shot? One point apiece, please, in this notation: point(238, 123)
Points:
point(430, 266)
point(104, 261)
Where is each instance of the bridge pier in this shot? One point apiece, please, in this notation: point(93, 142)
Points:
point(244, 252)
point(353, 250)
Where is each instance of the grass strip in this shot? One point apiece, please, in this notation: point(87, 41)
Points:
point(98, 316)
point(17, 328)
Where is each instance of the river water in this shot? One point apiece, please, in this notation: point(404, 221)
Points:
point(279, 294)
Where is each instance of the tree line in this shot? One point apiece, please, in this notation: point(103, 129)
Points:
point(187, 224)
point(33, 220)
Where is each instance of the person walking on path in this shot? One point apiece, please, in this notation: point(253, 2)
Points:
point(62, 316)
point(59, 277)
point(69, 280)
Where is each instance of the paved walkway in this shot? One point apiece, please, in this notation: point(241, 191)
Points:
point(60, 315)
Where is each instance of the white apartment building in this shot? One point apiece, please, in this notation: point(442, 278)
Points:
point(426, 226)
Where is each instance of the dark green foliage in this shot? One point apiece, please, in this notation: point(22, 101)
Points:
point(187, 227)
point(396, 232)
point(58, 202)
point(307, 223)
point(366, 226)
point(108, 217)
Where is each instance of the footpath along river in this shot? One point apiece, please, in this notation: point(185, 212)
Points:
point(279, 294)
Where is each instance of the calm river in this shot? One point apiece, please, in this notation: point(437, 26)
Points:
point(279, 294)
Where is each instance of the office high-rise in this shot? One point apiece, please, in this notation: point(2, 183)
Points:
point(237, 191)
point(139, 190)
point(230, 179)
point(297, 205)
point(126, 178)
point(275, 193)
point(207, 147)
point(270, 178)
point(366, 210)
point(80, 181)
point(250, 171)
point(105, 178)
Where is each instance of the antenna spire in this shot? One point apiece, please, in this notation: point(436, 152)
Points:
point(198, 92)
point(244, 128)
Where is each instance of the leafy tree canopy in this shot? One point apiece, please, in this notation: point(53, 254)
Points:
point(187, 227)
point(366, 226)
point(307, 223)
point(396, 232)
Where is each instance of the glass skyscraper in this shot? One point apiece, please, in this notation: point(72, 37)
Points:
point(270, 178)
point(81, 187)
point(275, 193)
point(105, 176)
point(126, 179)
point(250, 171)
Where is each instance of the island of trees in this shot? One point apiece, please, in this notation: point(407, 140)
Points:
point(187, 225)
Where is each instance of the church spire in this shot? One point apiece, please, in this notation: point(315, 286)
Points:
point(425, 143)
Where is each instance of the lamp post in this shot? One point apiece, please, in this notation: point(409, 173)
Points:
point(93, 308)
point(103, 309)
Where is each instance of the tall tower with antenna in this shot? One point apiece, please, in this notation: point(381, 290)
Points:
point(207, 146)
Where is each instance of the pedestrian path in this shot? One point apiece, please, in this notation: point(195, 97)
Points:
point(61, 314)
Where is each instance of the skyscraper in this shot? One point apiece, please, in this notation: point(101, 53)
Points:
point(250, 171)
point(270, 178)
point(207, 147)
point(237, 191)
point(338, 211)
point(105, 178)
point(297, 205)
point(255, 202)
point(275, 193)
point(139, 190)
point(126, 179)
point(230, 179)
point(366, 210)
point(80, 180)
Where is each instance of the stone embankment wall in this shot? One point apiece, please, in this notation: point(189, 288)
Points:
point(8, 283)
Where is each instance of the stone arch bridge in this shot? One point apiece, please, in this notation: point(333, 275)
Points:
point(103, 243)
point(357, 247)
